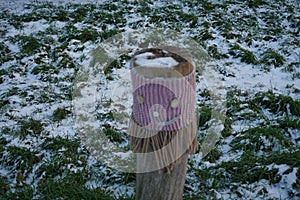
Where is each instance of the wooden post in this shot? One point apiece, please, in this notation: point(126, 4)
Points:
point(163, 124)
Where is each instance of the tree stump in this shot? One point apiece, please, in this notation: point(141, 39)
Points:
point(163, 124)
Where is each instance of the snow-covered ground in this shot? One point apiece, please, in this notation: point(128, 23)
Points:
point(255, 50)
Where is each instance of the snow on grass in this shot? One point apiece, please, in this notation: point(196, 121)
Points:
point(255, 51)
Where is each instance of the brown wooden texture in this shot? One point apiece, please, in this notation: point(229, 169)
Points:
point(160, 185)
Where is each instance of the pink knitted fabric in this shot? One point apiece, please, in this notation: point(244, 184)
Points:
point(163, 104)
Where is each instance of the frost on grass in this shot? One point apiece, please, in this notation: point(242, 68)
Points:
point(255, 46)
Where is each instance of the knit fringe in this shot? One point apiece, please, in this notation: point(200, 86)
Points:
point(161, 149)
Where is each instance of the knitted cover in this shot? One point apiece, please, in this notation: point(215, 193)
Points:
point(163, 118)
point(163, 104)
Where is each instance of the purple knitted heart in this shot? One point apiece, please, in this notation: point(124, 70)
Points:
point(156, 106)
point(163, 104)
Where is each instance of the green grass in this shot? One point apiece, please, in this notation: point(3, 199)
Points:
point(67, 147)
point(44, 69)
point(31, 127)
point(214, 52)
point(3, 143)
point(24, 159)
point(60, 114)
point(56, 178)
point(71, 187)
point(204, 115)
point(272, 58)
point(254, 140)
point(113, 135)
point(255, 3)
point(88, 34)
point(3, 185)
point(46, 72)
point(227, 131)
point(115, 64)
point(4, 53)
point(246, 56)
point(266, 144)
point(274, 103)
point(287, 123)
point(45, 59)
point(29, 45)
point(13, 91)
point(213, 156)
point(247, 170)
point(26, 193)
point(277, 103)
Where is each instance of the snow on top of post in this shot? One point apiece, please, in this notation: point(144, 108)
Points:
point(149, 59)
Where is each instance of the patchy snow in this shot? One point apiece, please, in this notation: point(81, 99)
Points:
point(281, 190)
point(43, 97)
point(18, 6)
point(255, 80)
point(34, 27)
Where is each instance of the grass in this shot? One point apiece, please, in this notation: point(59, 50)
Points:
point(31, 127)
point(254, 140)
point(255, 3)
point(41, 160)
point(247, 170)
point(260, 146)
point(214, 52)
point(287, 123)
point(277, 103)
point(246, 56)
point(57, 180)
point(25, 193)
point(267, 140)
point(114, 135)
point(13, 91)
point(204, 115)
point(23, 160)
point(115, 64)
point(88, 34)
point(71, 187)
point(29, 44)
point(272, 58)
point(60, 114)
point(4, 53)
point(44, 69)
point(274, 103)
point(213, 156)
point(46, 72)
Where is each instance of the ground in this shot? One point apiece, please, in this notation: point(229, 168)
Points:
point(255, 51)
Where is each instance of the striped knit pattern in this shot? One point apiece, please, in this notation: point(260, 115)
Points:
point(152, 101)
